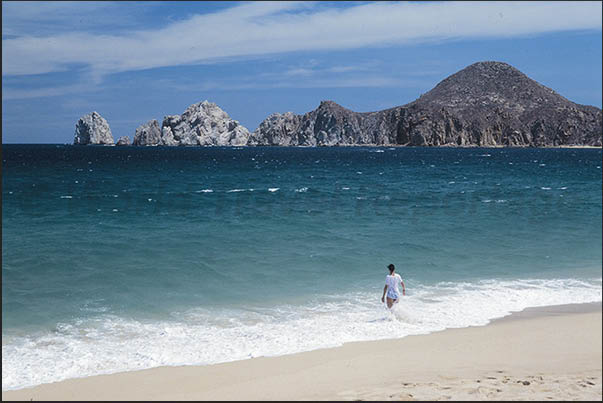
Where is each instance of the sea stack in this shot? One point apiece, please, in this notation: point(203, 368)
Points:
point(92, 129)
point(203, 124)
point(123, 141)
point(148, 134)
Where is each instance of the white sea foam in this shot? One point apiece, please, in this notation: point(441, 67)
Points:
point(273, 189)
point(65, 197)
point(107, 343)
point(545, 188)
point(301, 190)
point(204, 191)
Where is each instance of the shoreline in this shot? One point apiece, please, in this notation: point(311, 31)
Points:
point(546, 346)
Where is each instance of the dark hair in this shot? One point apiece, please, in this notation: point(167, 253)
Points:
point(391, 267)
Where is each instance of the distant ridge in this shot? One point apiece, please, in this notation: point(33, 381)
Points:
point(485, 104)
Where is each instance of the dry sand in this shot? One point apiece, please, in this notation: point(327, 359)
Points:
point(538, 354)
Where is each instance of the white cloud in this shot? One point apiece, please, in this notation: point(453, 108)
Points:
point(262, 28)
point(17, 93)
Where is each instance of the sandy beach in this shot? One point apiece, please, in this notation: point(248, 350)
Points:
point(551, 353)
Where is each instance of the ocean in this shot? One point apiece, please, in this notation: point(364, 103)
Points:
point(124, 258)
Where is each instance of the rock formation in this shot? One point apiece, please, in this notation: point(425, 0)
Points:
point(485, 104)
point(123, 141)
point(92, 129)
point(204, 124)
point(148, 134)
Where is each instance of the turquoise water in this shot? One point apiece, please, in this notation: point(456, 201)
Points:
point(123, 258)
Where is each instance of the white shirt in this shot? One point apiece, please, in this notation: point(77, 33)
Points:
point(393, 282)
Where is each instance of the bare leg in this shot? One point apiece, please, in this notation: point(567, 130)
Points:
point(390, 302)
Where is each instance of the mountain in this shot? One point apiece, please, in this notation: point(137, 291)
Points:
point(485, 104)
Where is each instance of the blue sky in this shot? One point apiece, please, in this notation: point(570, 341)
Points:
point(135, 61)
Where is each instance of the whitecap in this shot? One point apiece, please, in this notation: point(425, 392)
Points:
point(204, 191)
point(301, 190)
point(65, 197)
point(235, 190)
point(345, 188)
point(545, 188)
point(562, 188)
point(115, 209)
point(273, 189)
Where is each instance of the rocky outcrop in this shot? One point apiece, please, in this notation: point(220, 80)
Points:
point(277, 129)
point(203, 124)
point(92, 129)
point(123, 141)
point(485, 104)
point(148, 134)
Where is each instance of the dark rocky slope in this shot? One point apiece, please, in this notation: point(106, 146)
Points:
point(485, 104)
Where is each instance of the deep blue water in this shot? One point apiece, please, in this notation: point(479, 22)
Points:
point(154, 249)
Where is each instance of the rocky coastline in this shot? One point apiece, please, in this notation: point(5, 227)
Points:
point(487, 104)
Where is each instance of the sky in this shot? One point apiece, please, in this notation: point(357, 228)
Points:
point(136, 61)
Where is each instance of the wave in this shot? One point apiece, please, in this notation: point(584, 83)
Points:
point(108, 343)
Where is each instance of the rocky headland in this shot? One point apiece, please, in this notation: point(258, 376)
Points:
point(487, 104)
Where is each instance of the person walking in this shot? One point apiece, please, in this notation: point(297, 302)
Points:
point(392, 284)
